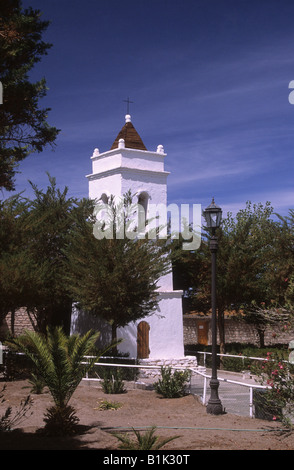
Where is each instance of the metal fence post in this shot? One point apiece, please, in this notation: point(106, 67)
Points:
point(204, 390)
point(251, 402)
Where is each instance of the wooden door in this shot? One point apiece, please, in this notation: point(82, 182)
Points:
point(143, 340)
point(202, 332)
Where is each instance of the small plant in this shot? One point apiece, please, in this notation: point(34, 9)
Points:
point(37, 384)
point(8, 420)
point(61, 420)
point(108, 405)
point(172, 385)
point(146, 441)
point(113, 383)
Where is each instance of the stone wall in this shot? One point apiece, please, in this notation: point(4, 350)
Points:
point(15, 323)
point(236, 331)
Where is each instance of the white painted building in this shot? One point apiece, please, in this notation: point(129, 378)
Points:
point(128, 165)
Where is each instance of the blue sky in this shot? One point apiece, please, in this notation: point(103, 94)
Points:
point(209, 81)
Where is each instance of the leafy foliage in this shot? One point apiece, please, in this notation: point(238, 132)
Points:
point(172, 384)
point(112, 382)
point(16, 271)
point(49, 222)
point(33, 236)
point(59, 361)
point(116, 279)
point(108, 405)
point(255, 264)
point(37, 384)
point(278, 375)
point(146, 441)
point(61, 420)
point(10, 419)
point(23, 125)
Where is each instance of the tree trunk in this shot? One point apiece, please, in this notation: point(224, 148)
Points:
point(260, 332)
point(12, 322)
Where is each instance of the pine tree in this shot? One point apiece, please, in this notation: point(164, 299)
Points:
point(23, 125)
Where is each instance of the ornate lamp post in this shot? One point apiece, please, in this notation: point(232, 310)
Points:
point(213, 215)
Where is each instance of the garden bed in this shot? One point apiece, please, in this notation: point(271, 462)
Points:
point(139, 408)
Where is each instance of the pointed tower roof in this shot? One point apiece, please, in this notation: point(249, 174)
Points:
point(130, 136)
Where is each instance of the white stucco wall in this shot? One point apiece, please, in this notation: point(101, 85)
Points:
point(166, 330)
point(99, 184)
point(120, 170)
point(127, 158)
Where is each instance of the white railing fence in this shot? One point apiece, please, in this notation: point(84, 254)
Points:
point(237, 396)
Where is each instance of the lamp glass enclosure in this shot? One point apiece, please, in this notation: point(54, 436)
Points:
point(213, 215)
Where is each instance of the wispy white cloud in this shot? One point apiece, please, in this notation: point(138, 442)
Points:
point(281, 201)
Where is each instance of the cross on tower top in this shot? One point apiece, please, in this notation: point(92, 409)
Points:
point(128, 104)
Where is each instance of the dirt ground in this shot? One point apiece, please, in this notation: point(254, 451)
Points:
point(185, 417)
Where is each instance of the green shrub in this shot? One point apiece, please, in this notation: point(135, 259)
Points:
point(37, 384)
point(108, 405)
point(59, 360)
point(147, 441)
point(172, 385)
point(278, 376)
point(127, 373)
point(61, 420)
point(112, 382)
point(10, 419)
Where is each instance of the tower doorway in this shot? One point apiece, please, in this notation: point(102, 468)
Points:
point(143, 340)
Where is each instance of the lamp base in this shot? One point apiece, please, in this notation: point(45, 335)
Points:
point(214, 405)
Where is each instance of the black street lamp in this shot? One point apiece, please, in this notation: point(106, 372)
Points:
point(213, 215)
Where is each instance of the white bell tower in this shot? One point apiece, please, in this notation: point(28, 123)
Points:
point(128, 165)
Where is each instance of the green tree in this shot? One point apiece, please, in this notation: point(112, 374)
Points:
point(33, 237)
point(115, 279)
point(247, 253)
point(263, 317)
point(284, 266)
point(17, 273)
point(50, 221)
point(276, 309)
point(23, 125)
point(245, 256)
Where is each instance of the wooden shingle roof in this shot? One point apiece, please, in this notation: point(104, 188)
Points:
point(130, 136)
